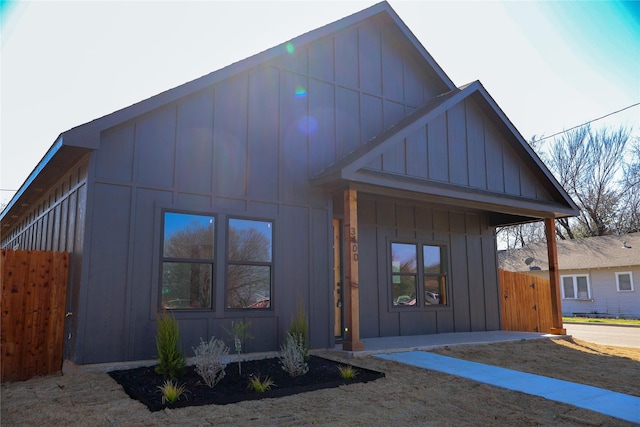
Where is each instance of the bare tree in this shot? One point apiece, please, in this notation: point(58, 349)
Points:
point(590, 165)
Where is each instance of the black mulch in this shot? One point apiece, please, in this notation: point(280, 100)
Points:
point(142, 383)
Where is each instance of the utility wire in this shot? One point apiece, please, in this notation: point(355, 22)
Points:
point(586, 123)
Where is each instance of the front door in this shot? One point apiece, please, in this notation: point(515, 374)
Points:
point(337, 278)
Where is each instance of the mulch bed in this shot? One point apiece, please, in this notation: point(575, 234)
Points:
point(142, 383)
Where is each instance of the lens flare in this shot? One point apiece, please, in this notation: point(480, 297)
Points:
point(307, 125)
point(290, 48)
point(300, 92)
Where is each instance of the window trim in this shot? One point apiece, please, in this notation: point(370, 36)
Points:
point(574, 278)
point(205, 261)
point(420, 276)
point(621, 273)
point(228, 262)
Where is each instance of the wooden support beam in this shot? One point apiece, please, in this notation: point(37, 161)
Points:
point(351, 293)
point(554, 277)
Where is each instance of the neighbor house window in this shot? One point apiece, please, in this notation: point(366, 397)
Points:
point(249, 264)
point(575, 287)
point(624, 281)
point(187, 261)
point(418, 275)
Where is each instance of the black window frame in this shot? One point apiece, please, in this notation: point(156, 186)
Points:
point(250, 263)
point(420, 276)
point(188, 260)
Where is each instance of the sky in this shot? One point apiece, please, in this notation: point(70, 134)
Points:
point(549, 65)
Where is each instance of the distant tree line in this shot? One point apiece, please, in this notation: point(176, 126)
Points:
point(600, 170)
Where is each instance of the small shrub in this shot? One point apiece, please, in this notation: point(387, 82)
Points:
point(171, 360)
point(172, 392)
point(211, 360)
point(292, 359)
point(299, 328)
point(260, 385)
point(347, 372)
point(240, 333)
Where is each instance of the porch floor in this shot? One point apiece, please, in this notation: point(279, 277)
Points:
point(427, 342)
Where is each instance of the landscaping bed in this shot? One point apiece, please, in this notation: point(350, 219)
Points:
point(142, 383)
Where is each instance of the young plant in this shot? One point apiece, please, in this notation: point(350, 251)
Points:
point(240, 333)
point(171, 360)
point(260, 385)
point(211, 360)
point(292, 359)
point(347, 372)
point(172, 392)
point(299, 328)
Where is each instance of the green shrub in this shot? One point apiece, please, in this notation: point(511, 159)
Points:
point(347, 372)
point(239, 333)
point(171, 360)
point(299, 328)
point(260, 385)
point(171, 391)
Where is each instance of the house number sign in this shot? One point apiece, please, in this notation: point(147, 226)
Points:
point(354, 244)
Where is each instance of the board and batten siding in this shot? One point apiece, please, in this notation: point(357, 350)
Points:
point(464, 148)
point(473, 286)
point(245, 146)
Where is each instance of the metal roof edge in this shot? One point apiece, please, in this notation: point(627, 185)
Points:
point(33, 175)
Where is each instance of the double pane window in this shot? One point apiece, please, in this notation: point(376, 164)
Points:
point(418, 278)
point(575, 287)
point(249, 264)
point(187, 261)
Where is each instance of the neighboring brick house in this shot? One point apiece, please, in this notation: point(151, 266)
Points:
point(598, 275)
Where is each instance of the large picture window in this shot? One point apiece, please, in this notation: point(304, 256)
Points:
point(575, 287)
point(418, 277)
point(187, 261)
point(249, 264)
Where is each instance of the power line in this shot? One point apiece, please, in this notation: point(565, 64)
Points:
point(586, 123)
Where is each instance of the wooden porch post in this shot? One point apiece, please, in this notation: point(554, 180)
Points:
point(554, 277)
point(351, 292)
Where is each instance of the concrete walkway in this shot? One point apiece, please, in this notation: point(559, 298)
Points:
point(428, 342)
point(596, 399)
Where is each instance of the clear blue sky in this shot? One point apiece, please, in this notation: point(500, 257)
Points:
point(549, 65)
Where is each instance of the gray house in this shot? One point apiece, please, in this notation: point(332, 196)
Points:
point(341, 171)
point(599, 275)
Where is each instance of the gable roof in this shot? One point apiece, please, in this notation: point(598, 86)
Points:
point(578, 254)
point(350, 167)
point(78, 141)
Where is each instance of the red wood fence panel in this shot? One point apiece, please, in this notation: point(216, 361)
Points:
point(34, 289)
point(525, 303)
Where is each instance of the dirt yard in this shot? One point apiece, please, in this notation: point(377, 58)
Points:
point(407, 396)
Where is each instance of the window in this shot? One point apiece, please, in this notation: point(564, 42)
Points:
point(187, 261)
point(435, 275)
point(406, 270)
point(249, 264)
point(403, 274)
point(575, 287)
point(624, 281)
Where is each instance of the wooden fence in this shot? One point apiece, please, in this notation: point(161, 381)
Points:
point(34, 286)
point(526, 302)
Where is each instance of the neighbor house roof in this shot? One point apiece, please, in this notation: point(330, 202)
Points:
point(578, 254)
